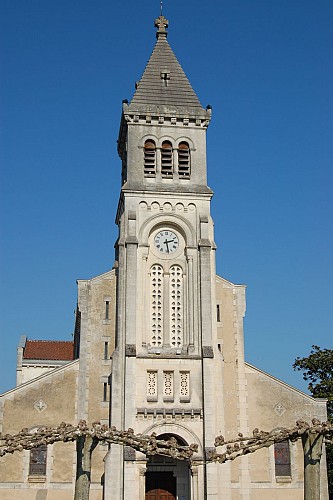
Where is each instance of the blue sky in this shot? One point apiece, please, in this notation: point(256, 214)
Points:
point(266, 69)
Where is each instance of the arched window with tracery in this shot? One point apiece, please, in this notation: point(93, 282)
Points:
point(184, 160)
point(156, 307)
point(166, 159)
point(176, 306)
point(150, 158)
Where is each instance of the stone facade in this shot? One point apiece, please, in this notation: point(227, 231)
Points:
point(159, 338)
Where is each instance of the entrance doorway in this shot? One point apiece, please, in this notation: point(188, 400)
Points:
point(167, 478)
point(160, 486)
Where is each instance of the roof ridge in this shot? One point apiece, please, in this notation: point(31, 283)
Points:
point(36, 380)
point(48, 340)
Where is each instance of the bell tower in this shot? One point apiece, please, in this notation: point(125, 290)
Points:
point(163, 363)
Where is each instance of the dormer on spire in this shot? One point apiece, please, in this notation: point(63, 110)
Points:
point(161, 23)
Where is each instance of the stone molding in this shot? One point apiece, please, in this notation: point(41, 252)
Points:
point(167, 355)
point(174, 413)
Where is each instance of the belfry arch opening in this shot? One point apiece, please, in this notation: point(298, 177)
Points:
point(167, 478)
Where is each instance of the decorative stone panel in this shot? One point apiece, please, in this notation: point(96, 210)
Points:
point(279, 409)
point(184, 387)
point(40, 405)
point(168, 386)
point(152, 386)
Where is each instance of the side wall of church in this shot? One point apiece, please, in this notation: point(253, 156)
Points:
point(230, 310)
point(254, 399)
point(272, 404)
point(79, 390)
point(45, 401)
point(97, 305)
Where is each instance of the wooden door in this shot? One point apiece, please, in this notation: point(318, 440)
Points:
point(160, 486)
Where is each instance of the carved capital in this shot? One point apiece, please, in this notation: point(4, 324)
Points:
point(194, 470)
point(207, 351)
point(210, 452)
point(129, 454)
point(130, 350)
point(131, 240)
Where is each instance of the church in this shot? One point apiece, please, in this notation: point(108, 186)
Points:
point(158, 339)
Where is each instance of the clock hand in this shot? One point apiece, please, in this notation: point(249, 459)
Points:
point(166, 243)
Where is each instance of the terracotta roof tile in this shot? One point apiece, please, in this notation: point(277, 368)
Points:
point(49, 349)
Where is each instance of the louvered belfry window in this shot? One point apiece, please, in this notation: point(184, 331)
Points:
point(150, 158)
point(166, 159)
point(184, 160)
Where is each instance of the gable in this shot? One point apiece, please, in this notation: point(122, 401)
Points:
point(278, 403)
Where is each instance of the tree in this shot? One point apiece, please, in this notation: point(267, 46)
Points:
point(317, 369)
point(87, 438)
point(86, 441)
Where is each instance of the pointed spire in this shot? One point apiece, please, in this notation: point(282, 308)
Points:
point(164, 86)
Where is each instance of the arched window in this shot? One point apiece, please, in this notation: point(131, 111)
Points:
point(282, 459)
point(156, 286)
point(166, 159)
point(37, 463)
point(166, 313)
point(176, 306)
point(150, 158)
point(184, 160)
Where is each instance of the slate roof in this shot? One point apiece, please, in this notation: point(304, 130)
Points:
point(49, 350)
point(164, 84)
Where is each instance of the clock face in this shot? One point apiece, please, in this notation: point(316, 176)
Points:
point(166, 241)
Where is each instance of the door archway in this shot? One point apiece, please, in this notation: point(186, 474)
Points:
point(167, 478)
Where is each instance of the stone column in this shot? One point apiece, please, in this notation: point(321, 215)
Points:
point(194, 483)
point(205, 248)
point(131, 286)
point(142, 479)
point(190, 302)
point(145, 287)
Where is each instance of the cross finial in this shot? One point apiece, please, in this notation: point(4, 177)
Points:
point(161, 23)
